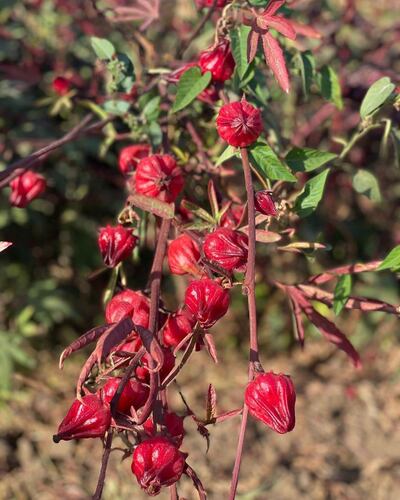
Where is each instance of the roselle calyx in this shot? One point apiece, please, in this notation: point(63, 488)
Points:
point(271, 398)
point(219, 61)
point(61, 85)
point(183, 256)
point(239, 123)
point(142, 371)
point(116, 244)
point(228, 248)
point(210, 3)
point(133, 395)
point(157, 462)
point(207, 300)
point(89, 418)
point(172, 425)
point(177, 327)
point(130, 156)
point(264, 203)
point(26, 187)
point(159, 176)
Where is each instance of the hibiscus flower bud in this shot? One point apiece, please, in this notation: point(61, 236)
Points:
point(61, 85)
point(271, 398)
point(210, 3)
point(264, 202)
point(157, 462)
point(129, 304)
point(134, 394)
point(90, 418)
point(183, 256)
point(116, 243)
point(239, 123)
point(207, 301)
point(142, 371)
point(232, 216)
point(219, 61)
point(158, 176)
point(25, 188)
point(177, 327)
point(130, 156)
point(173, 425)
point(228, 248)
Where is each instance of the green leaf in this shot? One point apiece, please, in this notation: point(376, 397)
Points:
point(227, 154)
point(191, 83)
point(330, 86)
point(268, 164)
point(152, 109)
point(342, 293)
point(377, 95)
point(306, 64)
point(307, 159)
point(117, 107)
point(392, 260)
point(103, 49)
point(312, 194)
point(366, 183)
point(155, 134)
point(239, 38)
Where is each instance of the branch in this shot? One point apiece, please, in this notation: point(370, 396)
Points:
point(104, 462)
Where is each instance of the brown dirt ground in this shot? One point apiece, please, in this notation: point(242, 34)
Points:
point(346, 444)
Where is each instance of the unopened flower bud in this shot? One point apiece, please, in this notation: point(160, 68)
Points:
point(239, 123)
point(219, 61)
point(173, 426)
point(134, 394)
point(90, 418)
point(264, 202)
point(61, 85)
point(129, 304)
point(177, 327)
point(228, 248)
point(25, 188)
point(116, 243)
point(207, 301)
point(130, 156)
point(183, 256)
point(271, 398)
point(142, 371)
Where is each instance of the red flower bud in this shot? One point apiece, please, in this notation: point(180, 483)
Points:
point(134, 394)
point(183, 256)
point(232, 216)
point(271, 398)
point(116, 243)
point(142, 372)
point(61, 85)
point(130, 156)
point(157, 462)
point(87, 419)
point(25, 188)
point(129, 304)
point(173, 425)
point(228, 248)
point(210, 3)
point(264, 202)
point(207, 301)
point(239, 123)
point(177, 327)
point(158, 176)
point(219, 61)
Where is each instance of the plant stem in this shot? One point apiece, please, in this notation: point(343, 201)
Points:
point(104, 462)
point(356, 137)
point(249, 283)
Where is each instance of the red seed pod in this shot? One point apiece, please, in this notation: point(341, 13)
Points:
point(87, 419)
point(177, 327)
point(134, 394)
point(264, 202)
point(25, 188)
point(271, 398)
point(130, 156)
point(228, 248)
point(232, 216)
point(239, 123)
point(61, 85)
point(219, 61)
point(210, 3)
point(183, 256)
point(157, 462)
point(129, 304)
point(158, 176)
point(116, 243)
point(173, 425)
point(142, 372)
point(207, 301)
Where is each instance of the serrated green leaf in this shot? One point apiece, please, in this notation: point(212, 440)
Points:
point(268, 164)
point(227, 154)
point(191, 83)
point(103, 49)
point(306, 64)
point(312, 194)
point(307, 159)
point(391, 261)
point(377, 95)
point(342, 293)
point(367, 184)
point(239, 38)
point(330, 86)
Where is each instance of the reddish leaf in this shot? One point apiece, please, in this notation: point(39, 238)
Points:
point(4, 245)
point(113, 336)
point(210, 346)
point(276, 60)
point(227, 415)
point(298, 322)
point(140, 10)
point(152, 346)
point(280, 24)
point(304, 30)
point(252, 45)
point(85, 339)
point(211, 403)
point(331, 274)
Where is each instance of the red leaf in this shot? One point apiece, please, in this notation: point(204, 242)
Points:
point(4, 245)
point(85, 339)
point(298, 322)
point(272, 7)
point(252, 44)
point(140, 10)
point(304, 30)
point(331, 274)
point(282, 25)
point(276, 60)
point(210, 346)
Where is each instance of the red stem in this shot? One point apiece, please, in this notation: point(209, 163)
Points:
point(104, 462)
